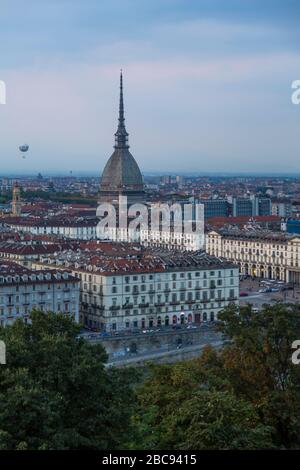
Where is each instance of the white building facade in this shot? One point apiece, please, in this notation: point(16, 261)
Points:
point(259, 254)
point(170, 294)
point(22, 290)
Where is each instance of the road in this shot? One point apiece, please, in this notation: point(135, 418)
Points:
point(257, 299)
point(173, 355)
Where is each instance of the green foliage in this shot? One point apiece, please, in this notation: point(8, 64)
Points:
point(258, 364)
point(246, 396)
point(55, 392)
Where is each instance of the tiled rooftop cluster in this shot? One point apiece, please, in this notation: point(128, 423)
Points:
point(108, 257)
point(19, 248)
point(14, 273)
point(64, 220)
point(235, 232)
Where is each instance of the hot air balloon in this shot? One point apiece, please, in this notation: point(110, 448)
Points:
point(24, 148)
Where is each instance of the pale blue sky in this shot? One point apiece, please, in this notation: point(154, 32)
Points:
point(207, 83)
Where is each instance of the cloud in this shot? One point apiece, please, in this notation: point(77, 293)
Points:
point(203, 94)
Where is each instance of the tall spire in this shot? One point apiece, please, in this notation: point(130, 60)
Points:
point(121, 136)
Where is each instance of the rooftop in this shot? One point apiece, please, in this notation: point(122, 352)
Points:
point(120, 258)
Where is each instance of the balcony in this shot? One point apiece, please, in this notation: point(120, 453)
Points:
point(144, 305)
point(127, 306)
point(159, 304)
point(174, 302)
point(98, 307)
point(114, 307)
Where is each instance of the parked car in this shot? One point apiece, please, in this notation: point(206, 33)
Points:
point(244, 294)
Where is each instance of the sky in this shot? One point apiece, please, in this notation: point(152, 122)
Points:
point(207, 84)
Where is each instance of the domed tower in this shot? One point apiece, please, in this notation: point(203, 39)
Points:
point(121, 175)
point(16, 200)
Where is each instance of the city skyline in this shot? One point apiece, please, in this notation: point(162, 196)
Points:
point(205, 89)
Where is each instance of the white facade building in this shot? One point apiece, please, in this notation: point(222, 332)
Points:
point(179, 288)
point(259, 253)
point(22, 290)
point(76, 229)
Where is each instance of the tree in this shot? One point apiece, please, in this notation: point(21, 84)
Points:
point(245, 396)
point(55, 392)
point(257, 362)
point(217, 420)
point(191, 406)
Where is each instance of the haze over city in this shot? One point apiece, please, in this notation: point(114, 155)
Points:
point(206, 86)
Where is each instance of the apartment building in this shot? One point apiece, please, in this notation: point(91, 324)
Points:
point(76, 228)
point(260, 253)
point(153, 288)
point(22, 290)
